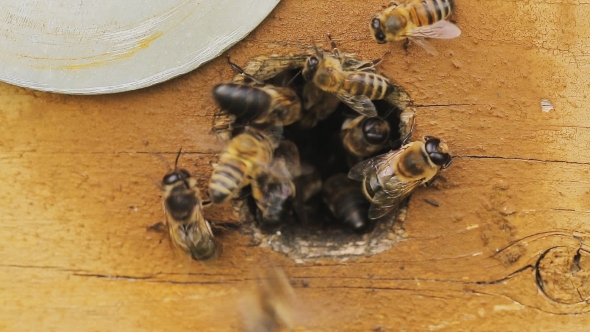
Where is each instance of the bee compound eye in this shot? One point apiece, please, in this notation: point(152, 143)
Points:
point(440, 159)
point(170, 178)
point(375, 23)
point(432, 144)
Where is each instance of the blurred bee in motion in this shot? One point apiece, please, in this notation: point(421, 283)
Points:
point(241, 159)
point(355, 87)
point(223, 126)
point(415, 21)
point(317, 105)
point(257, 103)
point(271, 308)
point(273, 190)
point(364, 136)
point(388, 179)
point(188, 229)
point(346, 201)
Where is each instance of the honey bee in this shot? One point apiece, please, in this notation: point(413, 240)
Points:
point(364, 136)
point(258, 103)
point(273, 190)
point(317, 105)
point(388, 179)
point(241, 159)
point(183, 206)
point(346, 201)
point(271, 308)
point(223, 126)
point(415, 21)
point(355, 87)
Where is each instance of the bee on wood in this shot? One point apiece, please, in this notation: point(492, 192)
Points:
point(354, 87)
point(415, 21)
point(388, 179)
point(364, 136)
point(273, 190)
point(183, 206)
point(258, 103)
point(271, 308)
point(346, 201)
point(242, 158)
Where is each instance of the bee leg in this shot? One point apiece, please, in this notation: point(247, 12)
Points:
point(406, 44)
point(206, 203)
point(334, 48)
point(244, 193)
point(392, 4)
point(157, 227)
point(376, 62)
point(230, 226)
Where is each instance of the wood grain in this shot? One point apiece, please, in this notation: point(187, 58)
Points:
point(506, 250)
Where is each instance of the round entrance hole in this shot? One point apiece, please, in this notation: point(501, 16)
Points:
point(312, 231)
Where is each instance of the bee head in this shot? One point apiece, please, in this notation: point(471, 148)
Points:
point(377, 30)
point(375, 130)
point(310, 67)
point(437, 151)
point(175, 176)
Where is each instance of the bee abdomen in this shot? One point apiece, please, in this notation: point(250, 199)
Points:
point(427, 12)
point(203, 250)
point(225, 180)
point(371, 85)
point(245, 102)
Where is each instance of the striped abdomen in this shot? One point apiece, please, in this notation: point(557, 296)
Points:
point(245, 102)
point(428, 12)
point(227, 178)
point(371, 85)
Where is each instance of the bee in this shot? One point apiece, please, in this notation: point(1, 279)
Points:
point(258, 103)
point(183, 206)
point(364, 136)
point(415, 21)
point(346, 201)
point(223, 126)
point(317, 105)
point(241, 159)
point(355, 87)
point(271, 308)
point(388, 179)
point(273, 190)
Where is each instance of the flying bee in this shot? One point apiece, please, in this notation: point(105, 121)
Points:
point(241, 159)
point(258, 103)
point(346, 201)
point(273, 190)
point(188, 229)
point(364, 136)
point(355, 87)
point(317, 105)
point(388, 179)
point(271, 307)
point(415, 21)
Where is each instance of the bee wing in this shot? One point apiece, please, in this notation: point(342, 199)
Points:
point(425, 45)
point(439, 30)
point(386, 201)
point(374, 165)
point(360, 103)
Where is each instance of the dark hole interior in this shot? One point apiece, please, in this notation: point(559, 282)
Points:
point(322, 148)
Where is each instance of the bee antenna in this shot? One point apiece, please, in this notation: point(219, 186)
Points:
point(294, 77)
point(241, 71)
point(162, 159)
point(177, 156)
point(235, 67)
point(389, 111)
point(407, 138)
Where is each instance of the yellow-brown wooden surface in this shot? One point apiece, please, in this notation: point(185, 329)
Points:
point(77, 195)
